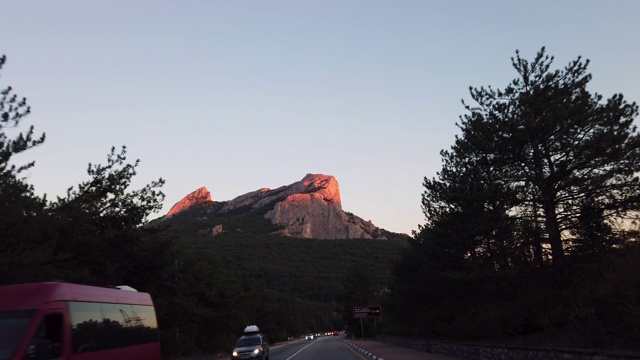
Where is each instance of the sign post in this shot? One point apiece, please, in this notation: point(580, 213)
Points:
point(361, 312)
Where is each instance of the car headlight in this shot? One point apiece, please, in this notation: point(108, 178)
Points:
point(234, 353)
point(257, 351)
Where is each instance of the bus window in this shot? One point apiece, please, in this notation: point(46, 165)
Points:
point(104, 326)
point(13, 326)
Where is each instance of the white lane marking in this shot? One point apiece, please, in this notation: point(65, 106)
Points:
point(299, 351)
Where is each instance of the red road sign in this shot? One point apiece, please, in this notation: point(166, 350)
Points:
point(366, 311)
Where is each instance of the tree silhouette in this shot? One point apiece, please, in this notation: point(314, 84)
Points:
point(544, 151)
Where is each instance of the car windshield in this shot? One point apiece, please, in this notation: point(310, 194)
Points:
point(248, 341)
point(13, 325)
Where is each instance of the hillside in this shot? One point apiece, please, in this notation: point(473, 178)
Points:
point(248, 246)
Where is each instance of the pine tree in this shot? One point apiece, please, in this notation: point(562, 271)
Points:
point(539, 152)
point(20, 208)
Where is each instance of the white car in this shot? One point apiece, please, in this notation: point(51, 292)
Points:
point(308, 337)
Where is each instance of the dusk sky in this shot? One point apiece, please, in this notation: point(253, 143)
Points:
point(241, 95)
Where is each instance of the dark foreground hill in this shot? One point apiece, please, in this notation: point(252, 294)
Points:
point(249, 247)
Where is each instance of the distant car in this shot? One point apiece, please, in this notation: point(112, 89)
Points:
point(308, 337)
point(251, 345)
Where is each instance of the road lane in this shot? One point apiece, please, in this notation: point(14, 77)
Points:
point(322, 348)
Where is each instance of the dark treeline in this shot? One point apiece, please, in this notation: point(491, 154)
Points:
point(530, 229)
point(288, 287)
point(531, 225)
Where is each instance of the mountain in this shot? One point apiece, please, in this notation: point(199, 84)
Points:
point(309, 208)
point(256, 239)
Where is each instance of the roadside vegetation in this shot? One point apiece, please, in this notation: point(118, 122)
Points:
point(531, 225)
point(530, 235)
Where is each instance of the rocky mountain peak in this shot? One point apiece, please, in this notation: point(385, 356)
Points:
point(309, 208)
point(199, 196)
point(324, 187)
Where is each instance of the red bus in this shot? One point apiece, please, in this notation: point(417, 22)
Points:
point(58, 320)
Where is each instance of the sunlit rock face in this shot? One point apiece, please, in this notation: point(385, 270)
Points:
point(323, 186)
point(313, 209)
point(250, 199)
point(199, 196)
point(309, 208)
point(310, 216)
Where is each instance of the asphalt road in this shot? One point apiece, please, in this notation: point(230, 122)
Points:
point(321, 348)
point(334, 348)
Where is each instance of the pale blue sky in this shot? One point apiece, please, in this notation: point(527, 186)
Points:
point(240, 95)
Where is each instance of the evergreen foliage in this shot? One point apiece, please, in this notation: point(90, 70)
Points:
point(535, 187)
point(543, 157)
point(286, 286)
point(91, 236)
point(13, 110)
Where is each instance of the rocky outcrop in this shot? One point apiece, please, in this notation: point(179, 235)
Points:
point(325, 187)
point(252, 199)
point(309, 208)
point(217, 230)
point(313, 209)
point(197, 197)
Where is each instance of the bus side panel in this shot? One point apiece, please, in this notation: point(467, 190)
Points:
point(149, 351)
point(26, 340)
point(60, 307)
